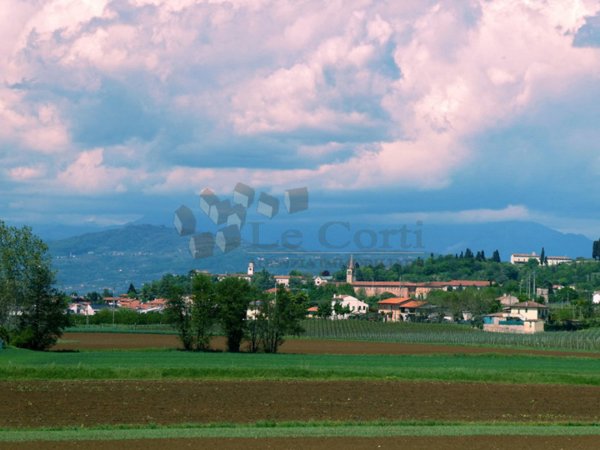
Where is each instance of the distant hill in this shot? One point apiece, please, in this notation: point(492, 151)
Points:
point(131, 254)
point(507, 237)
point(141, 253)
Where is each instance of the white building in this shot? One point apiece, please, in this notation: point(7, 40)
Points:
point(283, 280)
point(84, 309)
point(354, 305)
point(523, 258)
point(596, 298)
point(321, 279)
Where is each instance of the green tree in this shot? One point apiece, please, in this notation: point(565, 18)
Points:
point(179, 314)
point(596, 250)
point(131, 291)
point(32, 313)
point(496, 256)
point(543, 258)
point(203, 310)
point(263, 280)
point(281, 316)
point(93, 297)
point(325, 309)
point(233, 295)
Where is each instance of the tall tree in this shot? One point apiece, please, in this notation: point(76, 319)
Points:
point(496, 256)
point(31, 311)
point(233, 295)
point(281, 316)
point(203, 310)
point(179, 313)
point(131, 291)
point(543, 260)
point(596, 250)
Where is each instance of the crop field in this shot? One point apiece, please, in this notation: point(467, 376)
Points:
point(409, 333)
point(433, 333)
point(116, 390)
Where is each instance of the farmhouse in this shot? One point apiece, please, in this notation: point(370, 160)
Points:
point(353, 305)
point(398, 309)
point(523, 318)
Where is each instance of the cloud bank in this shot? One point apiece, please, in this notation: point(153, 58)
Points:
point(162, 96)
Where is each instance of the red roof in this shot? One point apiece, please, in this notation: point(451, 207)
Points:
point(134, 304)
point(413, 304)
point(394, 301)
point(425, 284)
point(313, 309)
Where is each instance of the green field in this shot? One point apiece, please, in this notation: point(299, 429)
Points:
point(33, 371)
point(160, 364)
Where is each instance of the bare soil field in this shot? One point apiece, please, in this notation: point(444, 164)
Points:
point(89, 403)
point(130, 341)
point(401, 442)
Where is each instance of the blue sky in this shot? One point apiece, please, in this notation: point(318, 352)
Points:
point(446, 112)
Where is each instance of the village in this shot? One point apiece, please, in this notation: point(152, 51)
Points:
point(386, 301)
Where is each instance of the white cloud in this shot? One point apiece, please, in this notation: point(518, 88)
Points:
point(26, 173)
point(509, 213)
point(89, 175)
point(404, 85)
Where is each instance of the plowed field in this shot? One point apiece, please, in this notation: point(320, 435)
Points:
point(88, 403)
point(107, 341)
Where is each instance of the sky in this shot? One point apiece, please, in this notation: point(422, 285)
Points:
point(388, 111)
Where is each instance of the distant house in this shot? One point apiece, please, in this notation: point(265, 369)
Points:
point(283, 280)
point(156, 305)
point(129, 303)
point(253, 310)
point(354, 305)
point(523, 318)
point(320, 280)
point(312, 312)
point(82, 308)
point(397, 309)
point(596, 298)
point(507, 300)
point(523, 258)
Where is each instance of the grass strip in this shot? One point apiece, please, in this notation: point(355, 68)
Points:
point(290, 430)
point(19, 373)
point(19, 364)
